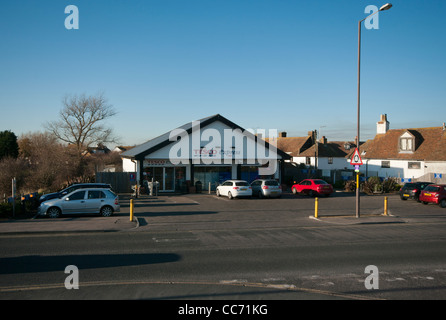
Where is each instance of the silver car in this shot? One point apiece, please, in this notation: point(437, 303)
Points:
point(97, 201)
point(266, 188)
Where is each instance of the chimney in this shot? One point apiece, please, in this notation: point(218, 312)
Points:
point(311, 134)
point(282, 134)
point(382, 126)
point(324, 140)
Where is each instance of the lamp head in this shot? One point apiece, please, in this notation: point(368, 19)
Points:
point(387, 6)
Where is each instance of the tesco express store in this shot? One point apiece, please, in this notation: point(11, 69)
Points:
point(203, 154)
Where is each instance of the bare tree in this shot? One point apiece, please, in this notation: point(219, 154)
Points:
point(81, 122)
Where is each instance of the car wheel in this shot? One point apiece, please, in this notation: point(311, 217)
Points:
point(106, 211)
point(443, 203)
point(311, 193)
point(403, 198)
point(53, 212)
point(217, 192)
point(260, 194)
point(230, 195)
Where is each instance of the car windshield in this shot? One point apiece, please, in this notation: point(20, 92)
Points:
point(241, 184)
point(432, 188)
point(320, 182)
point(410, 186)
point(271, 183)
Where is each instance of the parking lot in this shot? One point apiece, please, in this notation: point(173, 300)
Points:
point(204, 211)
point(207, 211)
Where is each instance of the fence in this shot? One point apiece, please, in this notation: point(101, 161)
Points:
point(431, 177)
point(120, 181)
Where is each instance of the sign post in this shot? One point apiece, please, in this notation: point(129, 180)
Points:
point(357, 161)
point(14, 187)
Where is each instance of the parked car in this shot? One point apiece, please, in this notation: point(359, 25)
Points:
point(61, 193)
point(412, 190)
point(234, 188)
point(96, 201)
point(434, 193)
point(266, 188)
point(313, 187)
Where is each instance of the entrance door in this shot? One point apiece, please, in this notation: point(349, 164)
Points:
point(166, 178)
point(169, 179)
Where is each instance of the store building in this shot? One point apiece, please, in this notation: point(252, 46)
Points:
point(204, 153)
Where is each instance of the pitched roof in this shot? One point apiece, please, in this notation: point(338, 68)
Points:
point(293, 145)
point(430, 145)
point(140, 151)
point(333, 149)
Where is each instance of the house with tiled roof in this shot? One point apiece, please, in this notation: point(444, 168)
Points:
point(294, 146)
point(315, 153)
point(325, 155)
point(410, 153)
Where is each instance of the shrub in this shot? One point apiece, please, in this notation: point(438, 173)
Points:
point(390, 185)
point(372, 185)
point(350, 186)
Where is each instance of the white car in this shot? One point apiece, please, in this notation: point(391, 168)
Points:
point(234, 188)
point(97, 201)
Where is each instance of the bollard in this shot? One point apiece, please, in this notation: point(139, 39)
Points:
point(131, 209)
point(316, 205)
point(209, 187)
point(385, 206)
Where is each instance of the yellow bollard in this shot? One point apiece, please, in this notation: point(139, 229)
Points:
point(131, 209)
point(316, 205)
point(385, 206)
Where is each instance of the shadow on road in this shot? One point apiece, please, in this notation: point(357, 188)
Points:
point(29, 264)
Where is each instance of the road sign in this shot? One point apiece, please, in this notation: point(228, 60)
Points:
point(356, 158)
point(438, 175)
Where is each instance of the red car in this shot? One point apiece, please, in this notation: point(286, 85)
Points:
point(313, 187)
point(435, 193)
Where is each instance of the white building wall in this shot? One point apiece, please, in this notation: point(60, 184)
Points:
point(398, 168)
point(338, 163)
point(128, 165)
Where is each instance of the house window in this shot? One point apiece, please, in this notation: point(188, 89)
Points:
point(414, 165)
point(330, 160)
point(308, 160)
point(406, 144)
point(385, 164)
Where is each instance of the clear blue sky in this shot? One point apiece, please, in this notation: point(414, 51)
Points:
point(271, 64)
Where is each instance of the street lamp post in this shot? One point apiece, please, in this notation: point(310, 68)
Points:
point(387, 6)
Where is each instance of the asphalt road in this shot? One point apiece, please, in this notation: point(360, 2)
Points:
point(204, 247)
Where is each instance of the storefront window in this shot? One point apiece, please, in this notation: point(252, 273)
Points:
point(215, 175)
point(169, 178)
point(250, 173)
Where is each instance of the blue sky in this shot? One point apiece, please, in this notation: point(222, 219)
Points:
point(264, 64)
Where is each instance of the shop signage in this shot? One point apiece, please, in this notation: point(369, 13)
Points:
point(205, 147)
point(157, 162)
